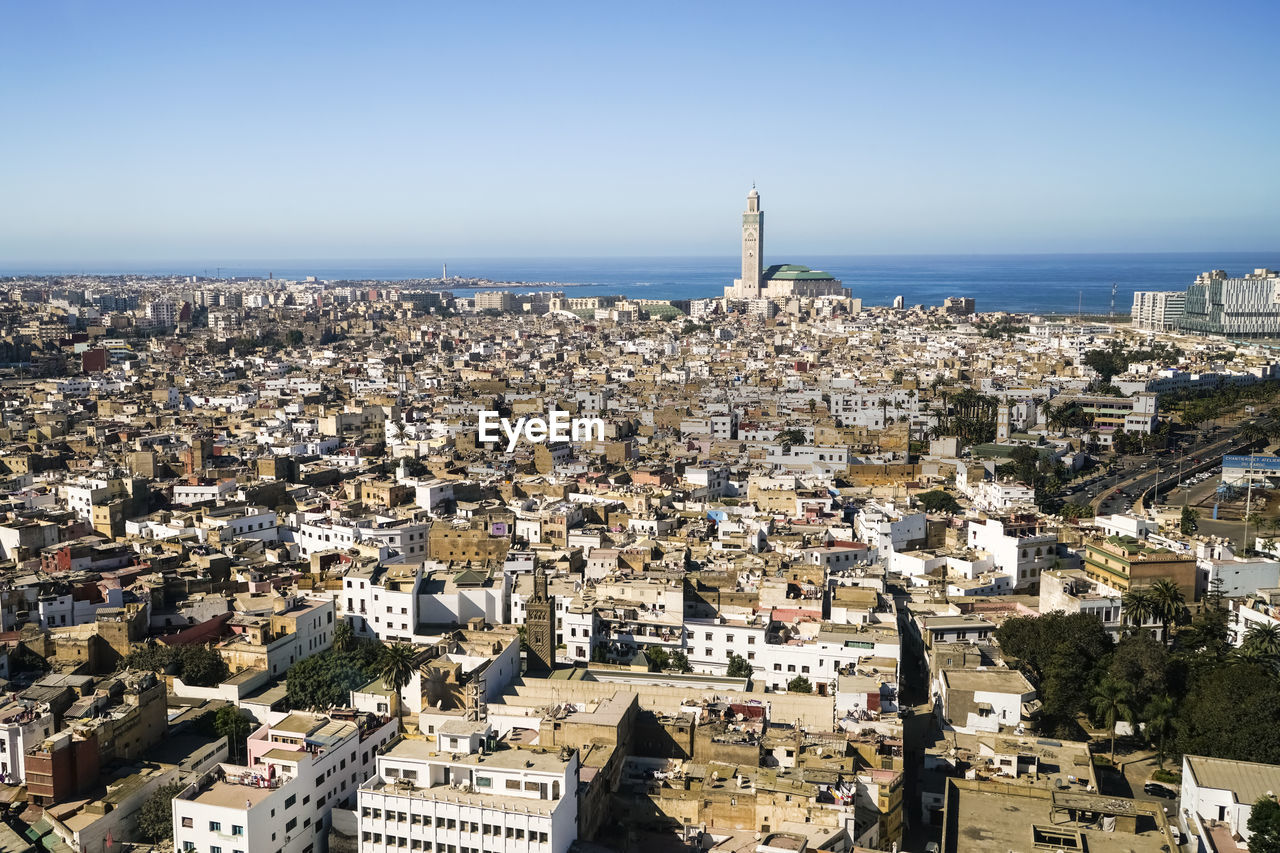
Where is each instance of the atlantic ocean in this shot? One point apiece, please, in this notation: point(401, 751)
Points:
point(1047, 283)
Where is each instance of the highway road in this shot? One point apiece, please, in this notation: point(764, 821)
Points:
point(1117, 491)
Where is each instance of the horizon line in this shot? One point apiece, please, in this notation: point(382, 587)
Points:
point(13, 268)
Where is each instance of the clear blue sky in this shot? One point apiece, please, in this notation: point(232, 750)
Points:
point(175, 130)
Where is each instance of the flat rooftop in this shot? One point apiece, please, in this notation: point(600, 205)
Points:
point(989, 816)
point(987, 680)
point(545, 761)
point(229, 795)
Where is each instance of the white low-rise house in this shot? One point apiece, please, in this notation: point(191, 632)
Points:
point(983, 700)
point(1072, 591)
point(248, 522)
point(886, 528)
point(1261, 609)
point(22, 724)
point(59, 610)
point(482, 794)
point(1239, 576)
point(298, 770)
point(1121, 524)
point(1004, 496)
point(432, 494)
point(1021, 547)
point(709, 482)
point(1217, 791)
point(197, 491)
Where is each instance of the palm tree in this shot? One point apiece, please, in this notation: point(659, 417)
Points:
point(1170, 604)
point(1138, 607)
point(1111, 702)
point(1046, 409)
point(1254, 518)
point(343, 636)
point(1264, 638)
point(395, 667)
point(1160, 713)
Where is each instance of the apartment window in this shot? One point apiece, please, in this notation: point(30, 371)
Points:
point(215, 849)
point(215, 826)
point(237, 830)
point(188, 823)
point(513, 784)
point(484, 782)
point(293, 798)
point(710, 653)
point(751, 641)
point(187, 845)
point(289, 827)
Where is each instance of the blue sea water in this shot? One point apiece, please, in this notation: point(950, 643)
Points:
point(1027, 283)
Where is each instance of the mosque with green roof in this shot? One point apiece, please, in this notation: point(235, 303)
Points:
point(780, 281)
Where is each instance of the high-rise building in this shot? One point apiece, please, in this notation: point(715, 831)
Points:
point(495, 300)
point(1247, 307)
point(1157, 310)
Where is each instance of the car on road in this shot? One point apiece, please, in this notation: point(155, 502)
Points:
point(1155, 789)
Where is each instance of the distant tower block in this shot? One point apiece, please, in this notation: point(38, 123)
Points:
point(898, 302)
point(1003, 417)
point(444, 272)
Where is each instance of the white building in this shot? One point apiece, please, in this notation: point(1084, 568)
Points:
point(885, 528)
point(1214, 789)
point(203, 491)
point(1158, 310)
point(1019, 549)
point(1239, 307)
point(481, 795)
point(298, 770)
point(22, 724)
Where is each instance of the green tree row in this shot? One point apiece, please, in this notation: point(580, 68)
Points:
point(1192, 692)
point(200, 666)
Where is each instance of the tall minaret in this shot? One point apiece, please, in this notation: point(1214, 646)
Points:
point(752, 244)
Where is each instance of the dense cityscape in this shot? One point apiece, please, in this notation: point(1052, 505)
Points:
point(816, 577)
